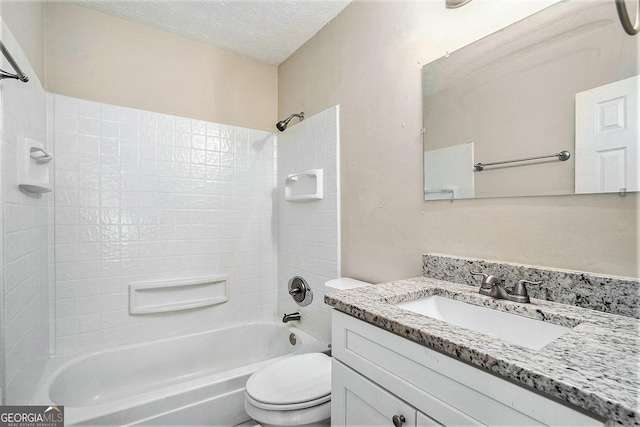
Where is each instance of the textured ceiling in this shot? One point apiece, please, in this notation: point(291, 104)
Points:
point(266, 30)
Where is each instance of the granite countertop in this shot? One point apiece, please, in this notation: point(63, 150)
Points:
point(593, 366)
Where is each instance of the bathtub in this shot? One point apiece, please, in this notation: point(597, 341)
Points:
point(195, 379)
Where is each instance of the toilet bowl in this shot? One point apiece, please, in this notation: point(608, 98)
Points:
point(295, 391)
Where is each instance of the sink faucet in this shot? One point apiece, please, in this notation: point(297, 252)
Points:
point(488, 281)
point(492, 287)
point(291, 316)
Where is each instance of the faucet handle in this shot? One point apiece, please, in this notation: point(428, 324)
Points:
point(521, 288)
point(479, 273)
point(487, 279)
point(488, 284)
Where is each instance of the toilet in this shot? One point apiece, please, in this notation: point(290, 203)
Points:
point(295, 391)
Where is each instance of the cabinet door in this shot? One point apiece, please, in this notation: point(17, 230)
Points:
point(356, 401)
point(424, 421)
point(449, 391)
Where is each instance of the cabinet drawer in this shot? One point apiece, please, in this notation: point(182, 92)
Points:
point(450, 391)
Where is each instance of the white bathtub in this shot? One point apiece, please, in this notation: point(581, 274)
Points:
point(196, 379)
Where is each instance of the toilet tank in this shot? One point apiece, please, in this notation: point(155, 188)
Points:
point(343, 283)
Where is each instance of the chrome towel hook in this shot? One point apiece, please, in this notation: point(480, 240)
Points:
point(631, 28)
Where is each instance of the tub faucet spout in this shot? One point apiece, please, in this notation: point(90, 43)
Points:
point(291, 316)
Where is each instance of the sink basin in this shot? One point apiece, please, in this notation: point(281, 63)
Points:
point(512, 328)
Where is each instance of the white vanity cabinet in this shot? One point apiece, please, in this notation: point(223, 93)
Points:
point(377, 375)
point(364, 403)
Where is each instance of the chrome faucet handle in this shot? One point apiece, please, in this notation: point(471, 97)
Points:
point(488, 284)
point(293, 292)
point(487, 279)
point(521, 288)
point(520, 291)
point(479, 273)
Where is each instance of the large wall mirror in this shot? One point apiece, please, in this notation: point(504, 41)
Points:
point(560, 83)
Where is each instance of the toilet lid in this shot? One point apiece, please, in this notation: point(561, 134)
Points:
point(296, 379)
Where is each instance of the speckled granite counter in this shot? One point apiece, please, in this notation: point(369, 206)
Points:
point(615, 295)
point(594, 366)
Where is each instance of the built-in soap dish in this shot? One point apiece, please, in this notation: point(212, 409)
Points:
point(33, 170)
point(304, 186)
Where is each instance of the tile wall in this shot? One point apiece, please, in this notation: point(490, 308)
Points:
point(23, 286)
point(142, 196)
point(309, 232)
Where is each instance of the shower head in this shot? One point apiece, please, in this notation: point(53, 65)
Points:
point(282, 125)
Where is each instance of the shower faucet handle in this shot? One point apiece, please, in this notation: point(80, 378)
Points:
point(293, 292)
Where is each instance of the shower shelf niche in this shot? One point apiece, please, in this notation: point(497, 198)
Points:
point(306, 186)
point(33, 170)
point(177, 294)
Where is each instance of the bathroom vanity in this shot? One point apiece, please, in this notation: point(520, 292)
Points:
point(394, 366)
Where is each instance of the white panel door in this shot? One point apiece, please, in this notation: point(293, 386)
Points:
point(607, 155)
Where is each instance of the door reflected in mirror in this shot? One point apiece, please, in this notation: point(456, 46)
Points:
point(563, 79)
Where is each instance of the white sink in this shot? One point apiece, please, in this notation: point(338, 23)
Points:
point(515, 329)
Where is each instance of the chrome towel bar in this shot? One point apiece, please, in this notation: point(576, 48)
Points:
point(19, 75)
point(562, 156)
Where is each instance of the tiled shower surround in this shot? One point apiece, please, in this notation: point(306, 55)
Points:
point(141, 196)
point(23, 282)
point(309, 231)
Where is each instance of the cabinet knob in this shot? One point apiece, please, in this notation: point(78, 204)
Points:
point(398, 420)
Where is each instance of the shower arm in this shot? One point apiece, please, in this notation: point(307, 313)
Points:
point(282, 125)
point(301, 116)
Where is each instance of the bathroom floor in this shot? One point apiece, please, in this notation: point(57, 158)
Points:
point(249, 424)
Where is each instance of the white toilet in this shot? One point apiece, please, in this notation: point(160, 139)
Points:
point(295, 391)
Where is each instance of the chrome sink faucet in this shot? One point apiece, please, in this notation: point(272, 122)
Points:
point(491, 286)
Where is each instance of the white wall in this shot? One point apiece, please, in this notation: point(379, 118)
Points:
point(309, 232)
point(24, 289)
point(143, 196)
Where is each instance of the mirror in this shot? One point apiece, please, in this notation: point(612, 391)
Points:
point(563, 79)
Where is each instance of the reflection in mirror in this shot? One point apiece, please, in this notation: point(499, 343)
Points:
point(564, 79)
